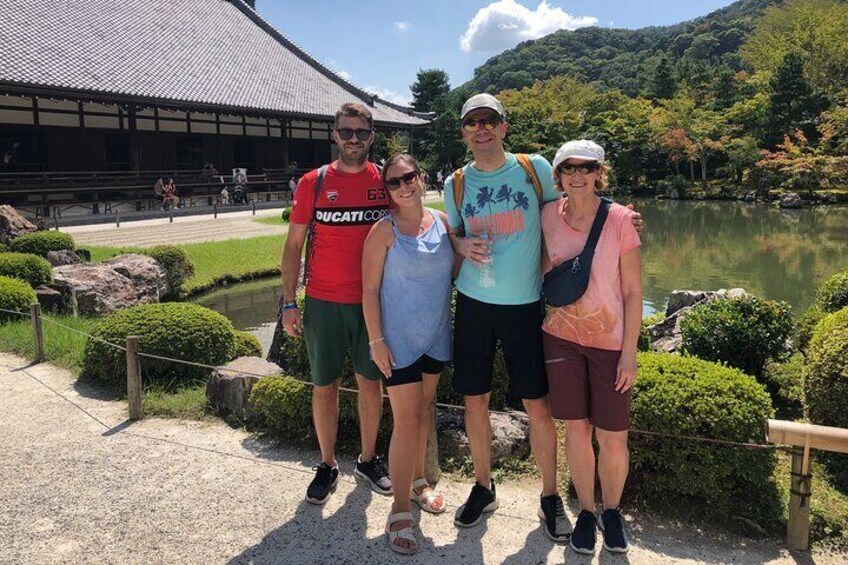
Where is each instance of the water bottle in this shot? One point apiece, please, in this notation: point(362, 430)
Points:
point(487, 268)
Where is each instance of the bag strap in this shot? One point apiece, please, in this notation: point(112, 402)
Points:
point(532, 176)
point(595, 233)
point(459, 192)
point(316, 190)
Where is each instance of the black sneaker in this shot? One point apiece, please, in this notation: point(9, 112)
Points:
point(552, 512)
point(376, 473)
point(323, 485)
point(615, 535)
point(480, 501)
point(583, 537)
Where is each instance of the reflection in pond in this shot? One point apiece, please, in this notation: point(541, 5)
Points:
point(778, 254)
point(250, 306)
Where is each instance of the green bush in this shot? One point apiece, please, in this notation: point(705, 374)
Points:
point(745, 332)
point(826, 383)
point(177, 265)
point(3, 248)
point(832, 294)
point(644, 343)
point(806, 325)
point(178, 330)
point(26, 267)
point(691, 397)
point(40, 242)
point(15, 295)
point(286, 214)
point(247, 345)
point(785, 383)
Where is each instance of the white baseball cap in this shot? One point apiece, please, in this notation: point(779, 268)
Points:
point(482, 101)
point(585, 149)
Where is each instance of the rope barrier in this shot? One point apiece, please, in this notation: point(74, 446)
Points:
point(714, 441)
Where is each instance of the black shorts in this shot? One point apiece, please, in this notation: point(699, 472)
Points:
point(478, 327)
point(414, 373)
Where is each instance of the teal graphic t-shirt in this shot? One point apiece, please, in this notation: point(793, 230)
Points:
point(503, 205)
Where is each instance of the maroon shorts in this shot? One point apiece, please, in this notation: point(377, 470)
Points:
point(581, 383)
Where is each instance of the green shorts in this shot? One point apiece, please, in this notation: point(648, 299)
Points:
point(330, 330)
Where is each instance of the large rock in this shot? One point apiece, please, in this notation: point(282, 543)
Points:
point(63, 257)
point(51, 300)
point(229, 386)
point(147, 275)
point(99, 289)
point(665, 335)
point(510, 435)
point(791, 200)
point(13, 224)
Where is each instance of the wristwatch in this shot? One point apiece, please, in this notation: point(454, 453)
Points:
point(289, 305)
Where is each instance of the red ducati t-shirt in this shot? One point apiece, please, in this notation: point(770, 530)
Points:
point(348, 205)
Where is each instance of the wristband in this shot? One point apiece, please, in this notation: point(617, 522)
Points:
point(373, 341)
point(290, 306)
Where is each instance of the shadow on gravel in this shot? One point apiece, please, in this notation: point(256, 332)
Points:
point(96, 390)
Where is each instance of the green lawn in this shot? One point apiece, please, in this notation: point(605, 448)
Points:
point(62, 347)
point(218, 261)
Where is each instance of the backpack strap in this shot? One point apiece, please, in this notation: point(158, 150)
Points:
point(532, 176)
point(316, 190)
point(459, 192)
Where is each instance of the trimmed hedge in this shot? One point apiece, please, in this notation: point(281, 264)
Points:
point(27, 267)
point(286, 214)
point(692, 397)
point(832, 295)
point(174, 329)
point(644, 343)
point(3, 248)
point(247, 345)
point(15, 295)
point(177, 265)
point(40, 242)
point(745, 332)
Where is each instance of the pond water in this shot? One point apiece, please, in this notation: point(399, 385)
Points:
point(777, 254)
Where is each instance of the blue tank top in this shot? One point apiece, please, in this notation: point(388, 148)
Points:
point(415, 294)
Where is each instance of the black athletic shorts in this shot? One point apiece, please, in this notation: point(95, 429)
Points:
point(478, 327)
point(415, 373)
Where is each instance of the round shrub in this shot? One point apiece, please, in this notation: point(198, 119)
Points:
point(178, 330)
point(826, 372)
point(247, 345)
point(40, 242)
point(286, 214)
point(745, 332)
point(15, 295)
point(3, 248)
point(644, 343)
point(26, 267)
point(832, 295)
point(177, 265)
point(806, 325)
point(691, 397)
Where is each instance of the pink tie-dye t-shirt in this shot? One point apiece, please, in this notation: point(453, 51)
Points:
point(597, 318)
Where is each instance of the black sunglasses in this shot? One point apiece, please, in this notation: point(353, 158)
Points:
point(347, 133)
point(472, 125)
point(585, 168)
point(408, 178)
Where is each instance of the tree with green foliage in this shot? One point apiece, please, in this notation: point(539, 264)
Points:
point(662, 84)
point(792, 104)
point(430, 85)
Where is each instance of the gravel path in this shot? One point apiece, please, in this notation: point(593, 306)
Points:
point(80, 485)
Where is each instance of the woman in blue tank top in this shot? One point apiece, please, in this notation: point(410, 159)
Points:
point(406, 270)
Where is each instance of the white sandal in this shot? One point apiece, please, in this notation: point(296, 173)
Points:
point(403, 533)
point(427, 500)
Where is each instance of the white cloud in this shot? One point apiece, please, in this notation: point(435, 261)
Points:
point(390, 95)
point(505, 23)
point(344, 74)
point(402, 26)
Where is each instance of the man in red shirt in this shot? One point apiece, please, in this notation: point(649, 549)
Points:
point(351, 198)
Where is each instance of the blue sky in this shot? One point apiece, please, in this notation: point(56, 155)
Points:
point(381, 44)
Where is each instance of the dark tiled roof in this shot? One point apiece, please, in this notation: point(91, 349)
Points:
point(215, 53)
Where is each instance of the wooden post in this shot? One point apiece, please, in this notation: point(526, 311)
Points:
point(56, 217)
point(133, 379)
point(215, 210)
point(253, 202)
point(118, 219)
point(798, 526)
point(171, 215)
point(37, 332)
point(432, 472)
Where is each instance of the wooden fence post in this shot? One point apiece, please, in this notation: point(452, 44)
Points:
point(133, 379)
point(118, 219)
point(56, 217)
point(432, 472)
point(215, 209)
point(798, 525)
point(171, 215)
point(37, 332)
point(253, 202)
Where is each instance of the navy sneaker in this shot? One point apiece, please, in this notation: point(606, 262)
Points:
point(552, 512)
point(481, 501)
point(583, 537)
point(375, 473)
point(615, 534)
point(323, 485)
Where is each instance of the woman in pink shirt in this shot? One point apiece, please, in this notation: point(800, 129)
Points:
point(590, 345)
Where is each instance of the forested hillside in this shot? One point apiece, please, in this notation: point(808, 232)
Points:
point(626, 59)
